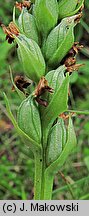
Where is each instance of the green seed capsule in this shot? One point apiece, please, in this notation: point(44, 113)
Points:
point(54, 147)
point(60, 40)
point(29, 119)
point(30, 57)
point(69, 7)
point(46, 14)
point(66, 7)
point(64, 135)
point(27, 25)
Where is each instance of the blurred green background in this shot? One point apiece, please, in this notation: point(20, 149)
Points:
point(16, 169)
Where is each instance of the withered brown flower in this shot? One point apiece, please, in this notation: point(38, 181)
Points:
point(75, 49)
point(10, 31)
point(20, 5)
point(41, 88)
point(78, 17)
point(65, 116)
point(74, 67)
point(70, 60)
point(21, 83)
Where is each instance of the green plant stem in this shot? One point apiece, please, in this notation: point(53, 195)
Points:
point(38, 175)
point(47, 179)
point(47, 182)
point(43, 171)
point(48, 185)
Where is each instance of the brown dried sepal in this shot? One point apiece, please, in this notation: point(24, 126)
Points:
point(74, 67)
point(70, 57)
point(70, 61)
point(41, 88)
point(78, 17)
point(82, 7)
point(10, 31)
point(21, 83)
point(75, 49)
point(13, 28)
point(41, 102)
point(64, 116)
point(20, 5)
point(27, 4)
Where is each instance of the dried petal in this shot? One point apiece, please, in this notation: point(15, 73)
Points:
point(42, 102)
point(78, 17)
point(64, 116)
point(72, 53)
point(6, 30)
point(10, 31)
point(70, 61)
point(21, 83)
point(74, 67)
point(13, 28)
point(77, 47)
point(27, 4)
point(20, 5)
point(42, 87)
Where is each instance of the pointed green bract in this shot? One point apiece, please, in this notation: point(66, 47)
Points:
point(31, 57)
point(57, 105)
point(55, 79)
point(24, 137)
point(46, 15)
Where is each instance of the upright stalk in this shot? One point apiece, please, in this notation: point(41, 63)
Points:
point(48, 185)
point(43, 172)
point(47, 179)
point(38, 175)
